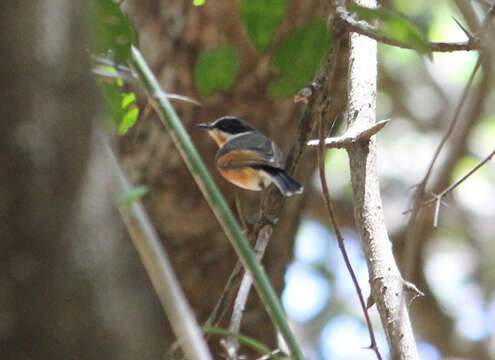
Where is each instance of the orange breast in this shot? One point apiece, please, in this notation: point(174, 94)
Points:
point(246, 178)
point(219, 139)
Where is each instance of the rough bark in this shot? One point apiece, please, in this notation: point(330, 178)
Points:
point(385, 277)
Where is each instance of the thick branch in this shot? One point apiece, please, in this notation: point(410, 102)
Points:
point(386, 281)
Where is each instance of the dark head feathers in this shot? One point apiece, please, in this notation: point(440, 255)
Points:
point(232, 125)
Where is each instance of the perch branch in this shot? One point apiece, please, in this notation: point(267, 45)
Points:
point(224, 215)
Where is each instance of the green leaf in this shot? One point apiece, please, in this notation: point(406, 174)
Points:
point(395, 26)
point(198, 2)
point(298, 57)
point(129, 197)
point(246, 340)
point(216, 70)
point(110, 30)
point(262, 19)
point(128, 99)
point(122, 111)
point(128, 120)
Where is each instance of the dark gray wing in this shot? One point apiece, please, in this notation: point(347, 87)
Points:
point(252, 149)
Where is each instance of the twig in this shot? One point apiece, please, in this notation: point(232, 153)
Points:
point(216, 201)
point(340, 239)
point(232, 344)
point(411, 243)
point(365, 29)
point(457, 112)
point(453, 122)
point(160, 271)
point(412, 239)
point(437, 198)
point(351, 136)
point(469, 173)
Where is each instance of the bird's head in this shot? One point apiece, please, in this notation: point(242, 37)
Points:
point(226, 127)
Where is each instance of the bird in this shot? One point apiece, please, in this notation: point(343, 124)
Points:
point(247, 158)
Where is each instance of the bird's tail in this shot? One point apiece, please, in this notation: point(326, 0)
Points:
point(287, 185)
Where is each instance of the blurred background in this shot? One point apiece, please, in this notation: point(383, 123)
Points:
point(71, 283)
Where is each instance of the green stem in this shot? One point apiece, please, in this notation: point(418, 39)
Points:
point(215, 199)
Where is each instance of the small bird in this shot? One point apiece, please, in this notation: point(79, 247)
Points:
point(249, 159)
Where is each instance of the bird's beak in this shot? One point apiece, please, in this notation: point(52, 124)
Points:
point(204, 126)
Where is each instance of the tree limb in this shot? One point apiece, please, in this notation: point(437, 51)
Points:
point(386, 280)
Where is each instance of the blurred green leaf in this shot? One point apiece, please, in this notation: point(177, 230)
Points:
point(394, 26)
point(129, 197)
point(110, 30)
point(198, 2)
point(121, 107)
point(298, 57)
point(262, 19)
point(216, 70)
point(128, 120)
point(128, 99)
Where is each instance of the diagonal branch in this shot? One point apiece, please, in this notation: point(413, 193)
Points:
point(437, 198)
point(160, 271)
point(216, 201)
point(363, 28)
point(412, 242)
point(340, 238)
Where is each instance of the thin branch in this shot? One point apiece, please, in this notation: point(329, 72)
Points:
point(437, 198)
point(453, 122)
point(216, 201)
point(469, 173)
point(340, 238)
point(365, 29)
point(412, 239)
point(160, 271)
point(459, 107)
point(232, 344)
point(351, 136)
point(411, 244)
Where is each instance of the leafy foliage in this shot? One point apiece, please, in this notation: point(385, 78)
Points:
point(110, 29)
point(298, 57)
point(262, 19)
point(216, 70)
point(198, 2)
point(121, 106)
point(395, 26)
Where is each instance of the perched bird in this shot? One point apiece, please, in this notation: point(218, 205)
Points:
point(247, 158)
